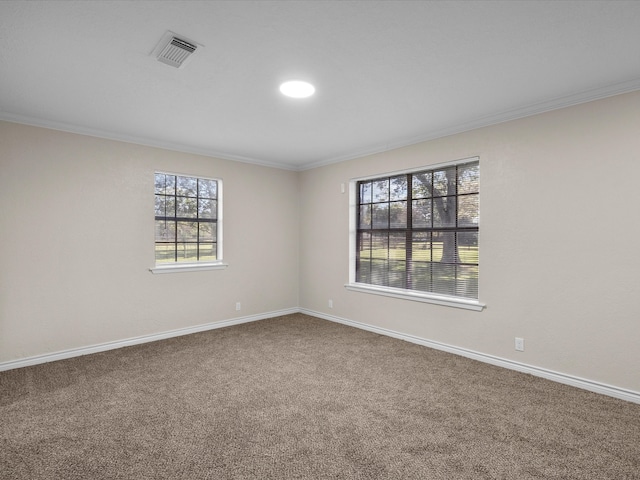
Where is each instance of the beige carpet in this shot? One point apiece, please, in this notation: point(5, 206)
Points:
point(299, 397)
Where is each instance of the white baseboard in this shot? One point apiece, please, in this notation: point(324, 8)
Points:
point(585, 384)
point(76, 352)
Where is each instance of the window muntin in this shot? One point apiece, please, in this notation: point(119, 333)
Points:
point(186, 219)
point(418, 231)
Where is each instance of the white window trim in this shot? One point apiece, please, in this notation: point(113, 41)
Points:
point(425, 297)
point(457, 302)
point(188, 267)
point(198, 266)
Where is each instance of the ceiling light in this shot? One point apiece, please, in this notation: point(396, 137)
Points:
point(297, 89)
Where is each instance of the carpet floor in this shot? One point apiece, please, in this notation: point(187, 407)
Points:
point(297, 397)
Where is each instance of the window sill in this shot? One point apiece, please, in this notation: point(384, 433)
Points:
point(187, 267)
point(456, 302)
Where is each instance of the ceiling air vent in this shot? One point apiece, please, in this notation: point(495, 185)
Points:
point(175, 50)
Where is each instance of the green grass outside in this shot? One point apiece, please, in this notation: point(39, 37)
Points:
point(186, 253)
point(420, 252)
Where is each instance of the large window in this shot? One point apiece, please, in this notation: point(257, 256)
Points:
point(187, 228)
point(418, 231)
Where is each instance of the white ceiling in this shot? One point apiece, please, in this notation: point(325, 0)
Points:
point(387, 73)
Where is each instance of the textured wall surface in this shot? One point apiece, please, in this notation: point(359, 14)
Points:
point(558, 230)
point(77, 222)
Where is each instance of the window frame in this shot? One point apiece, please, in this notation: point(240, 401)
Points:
point(402, 293)
point(218, 263)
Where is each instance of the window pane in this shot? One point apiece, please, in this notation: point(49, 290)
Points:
point(398, 246)
point(398, 214)
point(421, 213)
point(165, 184)
point(165, 231)
point(421, 246)
point(363, 258)
point(165, 253)
point(443, 278)
point(207, 188)
point(186, 207)
point(207, 208)
point(444, 212)
point(467, 282)
point(442, 229)
point(365, 192)
point(165, 206)
point(364, 243)
point(468, 247)
point(160, 206)
point(363, 271)
point(444, 247)
point(422, 185)
point(398, 188)
point(420, 276)
point(207, 251)
point(187, 252)
point(159, 182)
point(207, 232)
point(380, 215)
point(381, 190)
point(187, 231)
point(397, 274)
point(187, 186)
point(380, 272)
point(380, 245)
point(468, 210)
point(469, 178)
point(444, 182)
point(365, 216)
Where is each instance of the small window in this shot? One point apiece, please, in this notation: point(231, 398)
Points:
point(417, 232)
point(187, 220)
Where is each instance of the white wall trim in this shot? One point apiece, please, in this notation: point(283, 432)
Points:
point(488, 120)
point(583, 383)
point(76, 352)
point(456, 302)
point(147, 142)
point(187, 267)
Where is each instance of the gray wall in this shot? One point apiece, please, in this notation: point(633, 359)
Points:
point(558, 243)
point(77, 242)
point(559, 230)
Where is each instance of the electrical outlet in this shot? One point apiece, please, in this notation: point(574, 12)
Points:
point(520, 344)
point(330, 303)
point(238, 306)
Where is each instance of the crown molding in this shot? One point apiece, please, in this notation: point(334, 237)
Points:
point(480, 122)
point(488, 120)
point(148, 142)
